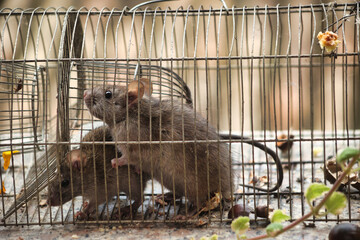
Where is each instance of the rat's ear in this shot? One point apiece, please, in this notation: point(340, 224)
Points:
point(135, 91)
point(148, 89)
point(76, 158)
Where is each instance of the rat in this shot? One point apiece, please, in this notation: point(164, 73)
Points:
point(84, 158)
point(192, 169)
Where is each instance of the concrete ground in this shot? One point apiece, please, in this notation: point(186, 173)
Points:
point(142, 232)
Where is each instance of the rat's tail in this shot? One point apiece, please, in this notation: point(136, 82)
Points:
point(280, 175)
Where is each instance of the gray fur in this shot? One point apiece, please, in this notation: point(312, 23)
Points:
point(95, 154)
point(169, 161)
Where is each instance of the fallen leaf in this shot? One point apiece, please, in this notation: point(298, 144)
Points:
point(253, 178)
point(20, 193)
point(239, 191)
point(263, 179)
point(42, 203)
point(7, 156)
point(3, 190)
point(201, 222)
point(19, 86)
point(211, 204)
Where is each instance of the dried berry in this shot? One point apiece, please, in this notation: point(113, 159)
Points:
point(263, 211)
point(285, 143)
point(345, 231)
point(239, 210)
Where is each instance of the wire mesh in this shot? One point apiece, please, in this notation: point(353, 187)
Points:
point(255, 72)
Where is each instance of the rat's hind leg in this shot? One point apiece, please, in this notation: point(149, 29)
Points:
point(85, 212)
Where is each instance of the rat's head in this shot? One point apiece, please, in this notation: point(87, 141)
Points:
point(109, 103)
point(64, 178)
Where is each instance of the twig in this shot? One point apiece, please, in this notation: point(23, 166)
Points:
point(318, 207)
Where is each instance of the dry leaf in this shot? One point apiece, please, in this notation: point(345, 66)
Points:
point(263, 179)
point(7, 156)
point(20, 193)
point(253, 178)
point(328, 40)
point(239, 191)
point(211, 204)
point(201, 223)
point(42, 203)
point(3, 190)
point(19, 86)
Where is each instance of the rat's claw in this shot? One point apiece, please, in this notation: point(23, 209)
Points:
point(118, 162)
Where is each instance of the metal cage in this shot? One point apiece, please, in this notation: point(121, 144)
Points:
point(253, 72)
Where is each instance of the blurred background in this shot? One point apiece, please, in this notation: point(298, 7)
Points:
point(173, 4)
point(260, 92)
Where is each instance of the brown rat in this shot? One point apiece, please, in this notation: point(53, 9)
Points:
point(85, 156)
point(205, 166)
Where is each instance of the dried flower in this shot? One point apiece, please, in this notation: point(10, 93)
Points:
point(328, 40)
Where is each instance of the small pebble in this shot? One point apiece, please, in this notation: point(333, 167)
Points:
point(74, 236)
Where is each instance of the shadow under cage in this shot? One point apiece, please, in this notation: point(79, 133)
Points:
point(251, 81)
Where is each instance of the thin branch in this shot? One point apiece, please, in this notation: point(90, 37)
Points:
point(319, 206)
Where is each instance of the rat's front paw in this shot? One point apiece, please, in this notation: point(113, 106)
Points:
point(118, 162)
point(81, 216)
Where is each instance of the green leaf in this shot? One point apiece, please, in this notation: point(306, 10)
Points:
point(336, 203)
point(273, 228)
point(278, 216)
point(346, 154)
point(243, 237)
point(214, 237)
point(240, 225)
point(314, 191)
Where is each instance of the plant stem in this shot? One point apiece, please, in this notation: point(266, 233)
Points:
point(319, 206)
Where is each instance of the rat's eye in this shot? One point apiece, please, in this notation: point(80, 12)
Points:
point(64, 183)
point(108, 94)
